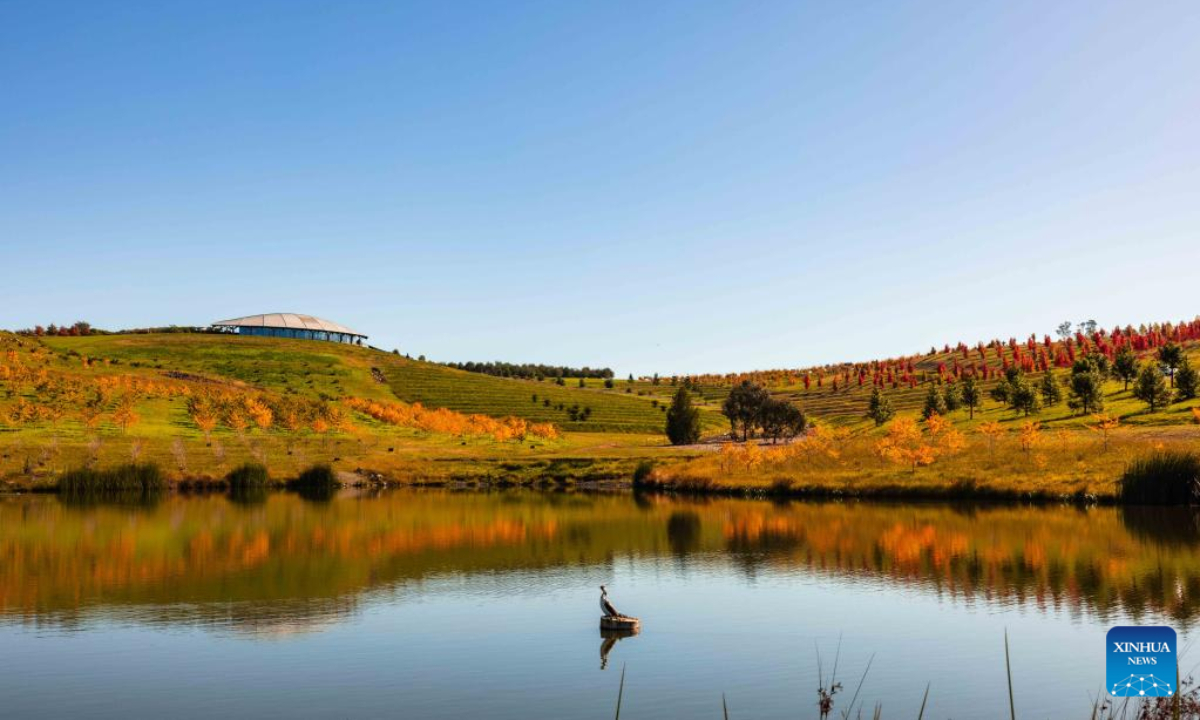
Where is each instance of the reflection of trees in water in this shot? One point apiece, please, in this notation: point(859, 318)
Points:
point(683, 532)
point(255, 495)
point(61, 558)
point(132, 499)
point(316, 493)
point(1169, 526)
point(279, 618)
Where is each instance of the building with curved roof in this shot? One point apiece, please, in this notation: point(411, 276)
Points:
point(291, 325)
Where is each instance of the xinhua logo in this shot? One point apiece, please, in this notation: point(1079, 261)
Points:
point(1141, 661)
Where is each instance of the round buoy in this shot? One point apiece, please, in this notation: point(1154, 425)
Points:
point(620, 622)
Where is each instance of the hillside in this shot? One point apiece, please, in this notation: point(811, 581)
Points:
point(836, 394)
point(331, 371)
point(198, 405)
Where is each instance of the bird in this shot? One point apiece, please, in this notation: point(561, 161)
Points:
point(605, 606)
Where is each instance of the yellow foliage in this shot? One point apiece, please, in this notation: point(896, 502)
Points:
point(124, 415)
point(905, 445)
point(1030, 435)
point(441, 420)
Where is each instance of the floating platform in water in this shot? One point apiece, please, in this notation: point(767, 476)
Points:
point(620, 622)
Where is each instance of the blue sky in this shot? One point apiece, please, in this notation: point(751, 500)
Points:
point(669, 186)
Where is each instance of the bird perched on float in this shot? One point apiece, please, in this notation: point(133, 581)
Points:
point(606, 607)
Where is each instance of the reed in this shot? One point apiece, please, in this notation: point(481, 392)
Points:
point(247, 476)
point(1166, 477)
point(1012, 706)
point(620, 693)
point(142, 478)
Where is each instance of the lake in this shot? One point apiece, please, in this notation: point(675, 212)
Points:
point(441, 604)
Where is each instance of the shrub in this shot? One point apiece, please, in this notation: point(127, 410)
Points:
point(317, 483)
point(250, 475)
point(317, 476)
point(1167, 477)
point(642, 472)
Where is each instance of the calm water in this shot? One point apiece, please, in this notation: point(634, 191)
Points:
point(456, 605)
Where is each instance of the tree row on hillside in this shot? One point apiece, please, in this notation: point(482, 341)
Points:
point(986, 361)
point(532, 371)
point(1167, 377)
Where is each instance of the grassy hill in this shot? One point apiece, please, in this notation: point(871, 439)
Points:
point(107, 400)
point(846, 406)
point(331, 371)
point(104, 400)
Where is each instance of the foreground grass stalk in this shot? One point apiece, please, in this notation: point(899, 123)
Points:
point(861, 680)
point(620, 693)
point(1012, 707)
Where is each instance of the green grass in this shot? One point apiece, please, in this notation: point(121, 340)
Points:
point(439, 386)
point(329, 370)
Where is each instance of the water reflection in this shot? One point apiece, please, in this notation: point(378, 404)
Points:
point(609, 639)
point(283, 563)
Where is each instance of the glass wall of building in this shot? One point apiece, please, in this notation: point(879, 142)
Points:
point(299, 334)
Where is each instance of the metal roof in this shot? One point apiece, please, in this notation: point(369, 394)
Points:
point(294, 321)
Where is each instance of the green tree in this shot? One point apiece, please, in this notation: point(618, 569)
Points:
point(1150, 387)
point(1125, 365)
point(952, 396)
point(1024, 397)
point(935, 404)
point(1051, 390)
point(683, 419)
point(1086, 387)
point(780, 418)
point(1171, 356)
point(1187, 380)
point(743, 407)
point(879, 408)
point(971, 395)
point(1001, 392)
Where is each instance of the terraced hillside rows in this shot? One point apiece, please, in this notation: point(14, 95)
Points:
point(330, 371)
point(839, 398)
point(475, 393)
point(308, 368)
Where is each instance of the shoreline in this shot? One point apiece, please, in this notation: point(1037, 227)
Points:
point(875, 492)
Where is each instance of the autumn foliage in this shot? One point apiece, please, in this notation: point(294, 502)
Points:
point(441, 420)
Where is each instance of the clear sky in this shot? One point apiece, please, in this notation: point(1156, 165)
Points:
point(654, 186)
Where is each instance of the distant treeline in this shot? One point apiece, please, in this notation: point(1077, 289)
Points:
point(532, 371)
point(82, 328)
point(79, 328)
